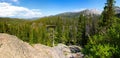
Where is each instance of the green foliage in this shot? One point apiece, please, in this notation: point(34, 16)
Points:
point(81, 30)
point(35, 31)
point(106, 42)
point(99, 37)
point(98, 48)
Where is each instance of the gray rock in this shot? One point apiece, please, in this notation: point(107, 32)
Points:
point(12, 47)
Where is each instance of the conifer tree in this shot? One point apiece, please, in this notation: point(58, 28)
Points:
point(80, 30)
point(31, 36)
point(59, 30)
point(108, 13)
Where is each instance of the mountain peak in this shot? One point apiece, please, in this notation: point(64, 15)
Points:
point(117, 9)
point(91, 11)
point(86, 12)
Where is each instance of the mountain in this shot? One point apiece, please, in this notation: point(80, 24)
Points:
point(117, 11)
point(68, 17)
point(87, 12)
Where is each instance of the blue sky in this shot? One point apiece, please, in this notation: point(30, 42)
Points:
point(39, 8)
point(59, 6)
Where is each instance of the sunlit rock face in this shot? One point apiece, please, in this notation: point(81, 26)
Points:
point(12, 47)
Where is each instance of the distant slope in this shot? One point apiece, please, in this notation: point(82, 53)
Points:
point(87, 12)
point(13, 20)
point(72, 15)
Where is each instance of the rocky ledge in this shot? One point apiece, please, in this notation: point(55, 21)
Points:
point(12, 47)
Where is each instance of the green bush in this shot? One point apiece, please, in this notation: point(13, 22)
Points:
point(97, 48)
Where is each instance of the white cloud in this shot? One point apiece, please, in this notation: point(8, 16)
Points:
point(15, 0)
point(9, 10)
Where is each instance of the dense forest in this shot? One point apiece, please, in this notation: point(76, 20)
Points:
point(99, 35)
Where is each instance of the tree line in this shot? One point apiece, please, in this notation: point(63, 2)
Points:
point(99, 37)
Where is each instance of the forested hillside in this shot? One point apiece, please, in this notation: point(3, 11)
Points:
point(99, 35)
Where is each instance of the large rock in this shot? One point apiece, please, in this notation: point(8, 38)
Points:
point(68, 51)
point(12, 47)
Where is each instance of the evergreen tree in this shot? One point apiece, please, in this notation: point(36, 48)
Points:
point(31, 37)
point(59, 30)
point(108, 13)
point(80, 29)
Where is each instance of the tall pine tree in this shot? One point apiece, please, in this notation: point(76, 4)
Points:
point(108, 13)
point(80, 30)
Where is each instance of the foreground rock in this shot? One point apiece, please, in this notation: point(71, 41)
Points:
point(68, 51)
point(12, 47)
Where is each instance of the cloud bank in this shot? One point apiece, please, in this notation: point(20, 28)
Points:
point(16, 1)
point(9, 10)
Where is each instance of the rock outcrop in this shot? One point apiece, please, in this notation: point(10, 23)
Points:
point(12, 47)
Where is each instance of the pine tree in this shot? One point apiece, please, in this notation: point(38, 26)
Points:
point(80, 29)
point(59, 30)
point(108, 13)
point(31, 36)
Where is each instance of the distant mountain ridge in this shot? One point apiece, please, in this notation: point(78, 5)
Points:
point(117, 11)
point(86, 12)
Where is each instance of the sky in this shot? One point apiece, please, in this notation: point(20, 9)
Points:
point(40, 8)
